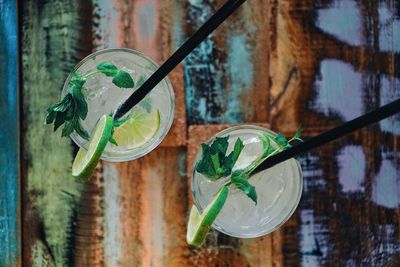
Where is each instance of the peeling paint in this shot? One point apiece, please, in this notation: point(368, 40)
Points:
point(389, 91)
point(389, 27)
point(240, 68)
point(314, 239)
point(313, 175)
point(386, 185)
point(352, 167)
point(106, 31)
point(9, 136)
point(339, 90)
point(342, 19)
point(203, 80)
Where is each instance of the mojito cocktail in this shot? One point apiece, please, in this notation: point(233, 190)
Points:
point(148, 122)
point(272, 195)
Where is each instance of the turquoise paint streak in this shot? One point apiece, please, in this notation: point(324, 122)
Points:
point(105, 30)
point(9, 135)
point(241, 73)
point(203, 76)
point(341, 19)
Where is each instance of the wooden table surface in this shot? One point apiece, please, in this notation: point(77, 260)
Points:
point(278, 63)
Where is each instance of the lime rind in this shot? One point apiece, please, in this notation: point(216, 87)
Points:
point(85, 161)
point(200, 224)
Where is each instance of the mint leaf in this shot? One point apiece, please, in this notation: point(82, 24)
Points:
point(68, 129)
point(60, 119)
point(63, 105)
point(281, 140)
point(51, 115)
point(112, 141)
point(80, 102)
point(298, 133)
point(214, 163)
point(233, 156)
point(78, 81)
point(108, 69)
point(118, 123)
point(123, 79)
point(205, 166)
point(268, 148)
point(220, 145)
point(239, 179)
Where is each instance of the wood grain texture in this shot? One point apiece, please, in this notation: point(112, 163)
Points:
point(10, 233)
point(135, 192)
point(279, 63)
point(336, 60)
point(222, 83)
point(54, 38)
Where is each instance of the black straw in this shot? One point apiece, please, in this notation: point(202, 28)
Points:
point(335, 133)
point(224, 12)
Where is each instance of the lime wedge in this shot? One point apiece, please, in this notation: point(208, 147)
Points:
point(138, 129)
point(85, 161)
point(200, 224)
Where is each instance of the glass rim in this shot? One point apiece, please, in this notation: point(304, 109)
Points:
point(168, 85)
point(295, 203)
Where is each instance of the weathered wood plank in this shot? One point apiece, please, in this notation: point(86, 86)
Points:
point(225, 79)
point(10, 233)
point(319, 58)
point(149, 189)
point(54, 38)
point(334, 61)
point(349, 211)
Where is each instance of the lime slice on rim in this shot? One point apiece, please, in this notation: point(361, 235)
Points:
point(139, 128)
point(85, 161)
point(200, 224)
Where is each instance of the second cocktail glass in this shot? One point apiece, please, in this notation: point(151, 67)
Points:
point(278, 188)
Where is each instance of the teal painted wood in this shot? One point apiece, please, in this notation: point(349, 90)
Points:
point(222, 79)
point(9, 135)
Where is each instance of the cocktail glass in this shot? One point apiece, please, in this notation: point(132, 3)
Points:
point(103, 97)
point(278, 188)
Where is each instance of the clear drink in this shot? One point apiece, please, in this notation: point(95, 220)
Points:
point(278, 189)
point(103, 97)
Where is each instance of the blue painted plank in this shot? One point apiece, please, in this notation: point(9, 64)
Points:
point(9, 132)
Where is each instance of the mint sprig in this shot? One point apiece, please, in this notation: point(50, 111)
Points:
point(73, 107)
point(121, 78)
point(70, 110)
point(214, 163)
point(240, 178)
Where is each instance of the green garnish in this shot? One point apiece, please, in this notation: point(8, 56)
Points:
point(121, 78)
point(73, 107)
point(214, 163)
